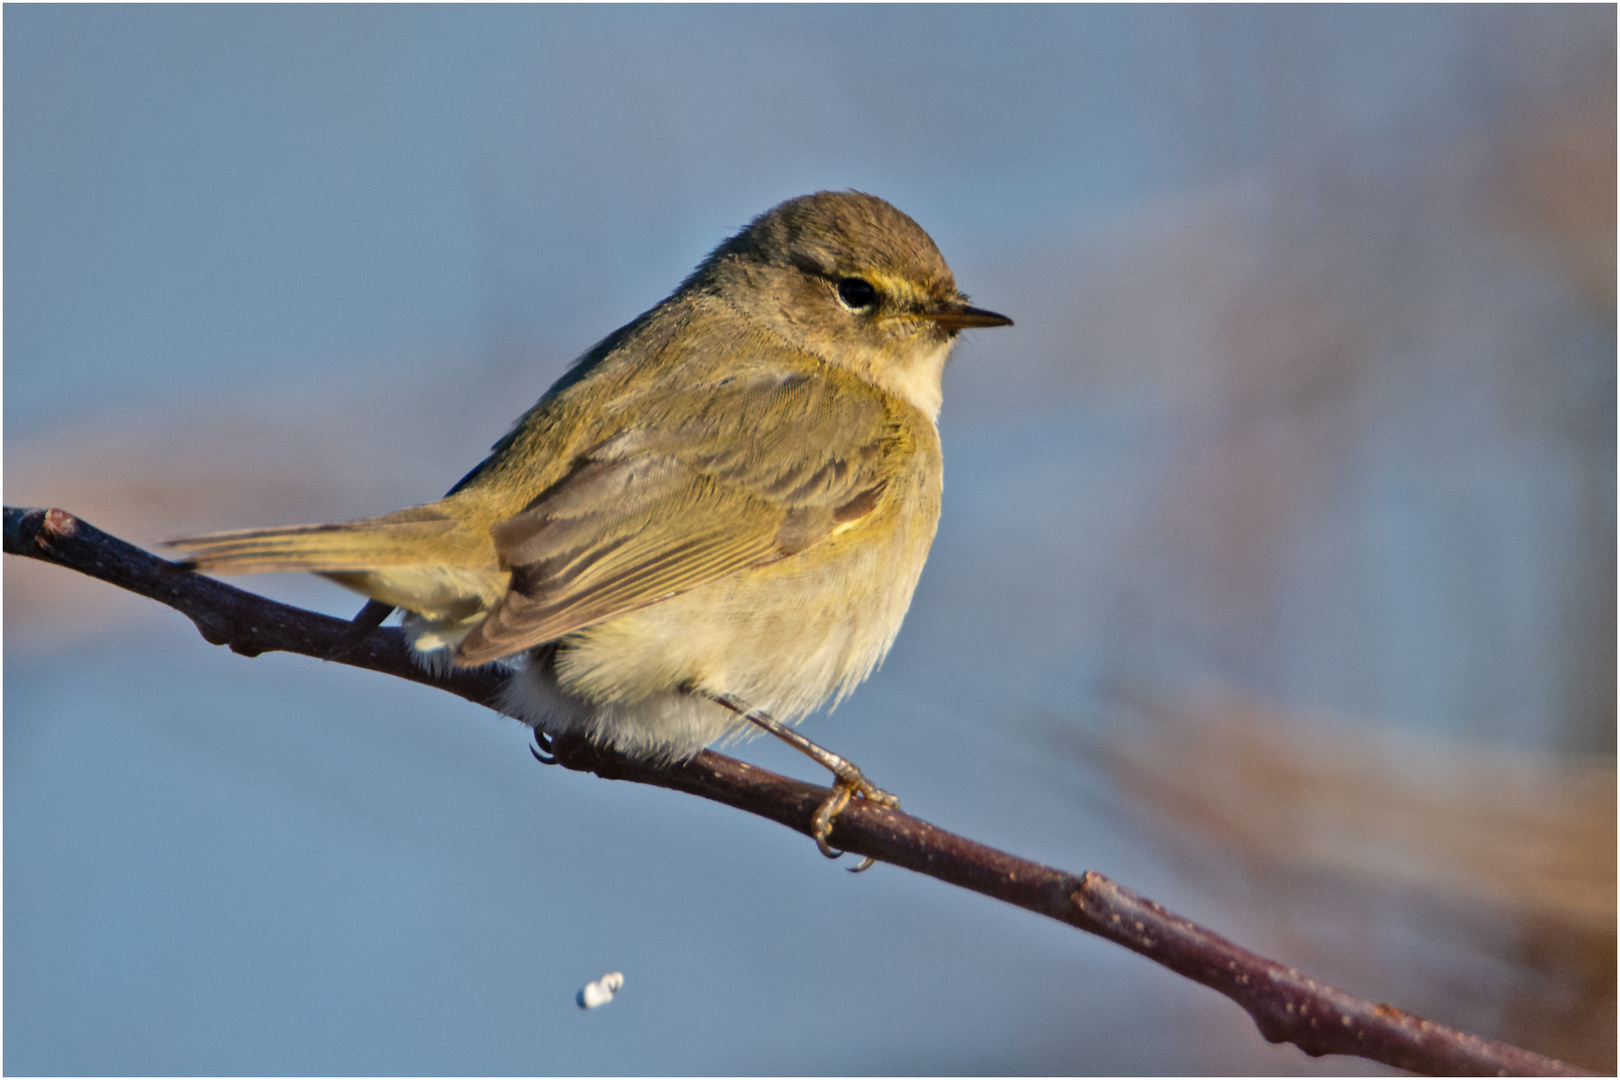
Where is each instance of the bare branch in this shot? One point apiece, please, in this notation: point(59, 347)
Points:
point(1286, 1005)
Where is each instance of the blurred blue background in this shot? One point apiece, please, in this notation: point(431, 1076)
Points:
point(1276, 576)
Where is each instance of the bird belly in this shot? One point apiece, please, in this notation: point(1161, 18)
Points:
point(784, 637)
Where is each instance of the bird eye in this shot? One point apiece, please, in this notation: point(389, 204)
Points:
point(856, 292)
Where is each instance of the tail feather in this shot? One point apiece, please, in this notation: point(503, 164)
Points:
point(350, 546)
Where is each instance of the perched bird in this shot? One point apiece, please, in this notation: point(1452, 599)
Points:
point(715, 518)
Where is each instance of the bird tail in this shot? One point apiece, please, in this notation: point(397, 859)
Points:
point(373, 543)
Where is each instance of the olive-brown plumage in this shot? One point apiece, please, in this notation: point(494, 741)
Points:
point(732, 496)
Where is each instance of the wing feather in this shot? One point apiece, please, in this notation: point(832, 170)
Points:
point(679, 500)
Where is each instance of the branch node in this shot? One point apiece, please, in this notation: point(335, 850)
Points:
point(59, 524)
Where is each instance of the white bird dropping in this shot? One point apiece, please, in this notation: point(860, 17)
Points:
point(601, 991)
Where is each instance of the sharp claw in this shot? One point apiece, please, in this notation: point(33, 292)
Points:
point(821, 824)
point(865, 864)
point(542, 748)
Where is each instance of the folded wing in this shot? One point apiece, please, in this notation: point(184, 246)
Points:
point(718, 479)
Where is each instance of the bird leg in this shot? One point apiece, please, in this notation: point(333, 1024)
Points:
point(360, 627)
point(848, 780)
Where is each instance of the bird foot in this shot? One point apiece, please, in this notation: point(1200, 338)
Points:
point(848, 780)
point(846, 787)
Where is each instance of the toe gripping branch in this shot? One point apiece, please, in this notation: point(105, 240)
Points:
point(848, 780)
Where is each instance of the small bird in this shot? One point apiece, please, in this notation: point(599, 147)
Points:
point(715, 519)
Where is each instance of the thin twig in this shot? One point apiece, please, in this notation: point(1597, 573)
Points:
point(1286, 1005)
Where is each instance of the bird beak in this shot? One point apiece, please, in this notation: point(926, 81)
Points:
point(954, 316)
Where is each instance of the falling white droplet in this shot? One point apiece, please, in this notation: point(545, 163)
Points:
point(601, 991)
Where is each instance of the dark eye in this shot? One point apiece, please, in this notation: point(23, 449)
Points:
point(856, 292)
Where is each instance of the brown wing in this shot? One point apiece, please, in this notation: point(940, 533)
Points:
point(710, 481)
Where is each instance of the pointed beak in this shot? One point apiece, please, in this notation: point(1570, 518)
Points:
point(955, 316)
